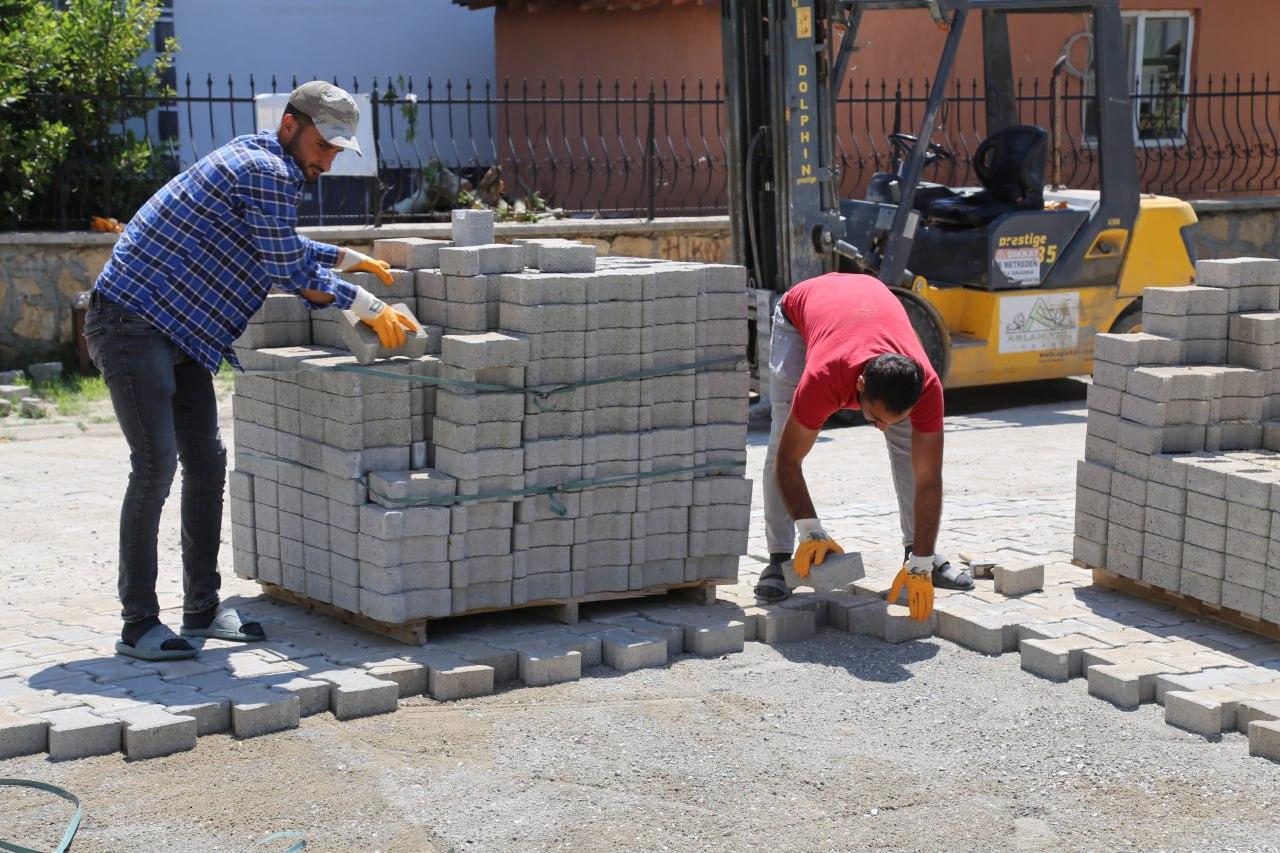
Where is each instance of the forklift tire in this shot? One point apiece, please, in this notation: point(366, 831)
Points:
point(930, 328)
point(1130, 319)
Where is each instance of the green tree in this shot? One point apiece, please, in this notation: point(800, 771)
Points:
point(70, 84)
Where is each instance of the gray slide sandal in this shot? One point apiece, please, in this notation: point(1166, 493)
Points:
point(148, 647)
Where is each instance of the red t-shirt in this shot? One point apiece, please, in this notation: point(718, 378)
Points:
point(846, 320)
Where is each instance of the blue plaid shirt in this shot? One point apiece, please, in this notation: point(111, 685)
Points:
point(198, 258)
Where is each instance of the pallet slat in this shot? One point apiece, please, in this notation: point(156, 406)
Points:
point(1194, 606)
point(414, 632)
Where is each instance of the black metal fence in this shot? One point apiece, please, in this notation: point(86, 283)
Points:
point(658, 148)
point(1218, 137)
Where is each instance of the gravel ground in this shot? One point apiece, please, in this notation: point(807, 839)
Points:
point(833, 744)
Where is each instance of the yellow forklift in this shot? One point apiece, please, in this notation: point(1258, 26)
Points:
point(1004, 282)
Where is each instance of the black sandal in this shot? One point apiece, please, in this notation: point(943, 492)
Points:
point(772, 586)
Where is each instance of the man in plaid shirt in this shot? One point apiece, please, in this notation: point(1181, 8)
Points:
point(193, 265)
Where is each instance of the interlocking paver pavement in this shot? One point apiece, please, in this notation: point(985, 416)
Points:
point(65, 692)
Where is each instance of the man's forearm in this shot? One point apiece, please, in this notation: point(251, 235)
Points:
point(794, 490)
point(316, 297)
point(928, 515)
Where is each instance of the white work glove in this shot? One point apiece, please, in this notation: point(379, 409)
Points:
point(366, 306)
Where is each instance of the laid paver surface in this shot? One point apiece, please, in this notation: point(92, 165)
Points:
point(798, 725)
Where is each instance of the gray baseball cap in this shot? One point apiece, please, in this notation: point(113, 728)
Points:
point(333, 111)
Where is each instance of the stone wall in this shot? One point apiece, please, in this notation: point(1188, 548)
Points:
point(40, 274)
point(1235, 228)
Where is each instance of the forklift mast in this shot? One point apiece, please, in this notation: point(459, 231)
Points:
point(783, 199)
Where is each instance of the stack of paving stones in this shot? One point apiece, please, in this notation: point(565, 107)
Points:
point(348, 470)
point(1181, 482)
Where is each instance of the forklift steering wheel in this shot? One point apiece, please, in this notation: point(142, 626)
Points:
point(904, 143)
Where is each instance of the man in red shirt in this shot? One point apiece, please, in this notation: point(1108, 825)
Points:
point(843, 341)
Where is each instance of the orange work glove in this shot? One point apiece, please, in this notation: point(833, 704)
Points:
point(814, 546)
point(916, 575)
point(353, 261)
point(391, 325)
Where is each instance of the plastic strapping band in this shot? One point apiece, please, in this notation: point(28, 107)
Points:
point(72, 828)
point(508, 494)
point(299, 844)
point(539, 392)
point(550, 491)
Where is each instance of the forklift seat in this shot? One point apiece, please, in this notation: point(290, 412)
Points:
point(1010, 164)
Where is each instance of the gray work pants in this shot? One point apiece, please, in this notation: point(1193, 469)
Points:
point(786, 364)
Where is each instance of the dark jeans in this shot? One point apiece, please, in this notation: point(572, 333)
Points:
point(167, 411)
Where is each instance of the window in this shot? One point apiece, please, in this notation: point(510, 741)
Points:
point(1159, 65)
point(1158, 45)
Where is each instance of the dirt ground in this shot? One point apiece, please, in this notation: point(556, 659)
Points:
point(833, 744)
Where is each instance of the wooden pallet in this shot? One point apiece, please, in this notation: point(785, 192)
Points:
point(1186, 603)
point(414, 632)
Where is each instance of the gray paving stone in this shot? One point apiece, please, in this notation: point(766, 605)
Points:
point(362, 341)
point(212, 714)
point(450, 677)
point(1126, 685)
point(977, 631)
point(1264, 739)
point(503, 662)
point(673, 635)
point(541, 663)
point(777, 625)
point(472, 227)
point(1207, 712)
point(358, 694)
point(78, 733)
point(22, 735)
point(626, 650)
point(257, 710)
point(151, 731)
point(1057, 659)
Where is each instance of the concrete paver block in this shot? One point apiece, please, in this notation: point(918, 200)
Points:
point(626, 650)
point(258, 710)
point(1264, 739)
point(450, 677)
point(363, 342)
point(541, 663)
point(1019, 578)
point(503, 662)
point(1205, 712)
point(358, 694)
point(673, 635)
point(777, 625)
point(313, 696)
point(409, 676)
point(78, 733)
point(976, 631)
point(472, 227)
point(484, 351)
point(151, 731)
point(1057, 659)
point(561, 256)
point(1251, 710)
point(704, 636)
point(1126, 685)
point(22, 735)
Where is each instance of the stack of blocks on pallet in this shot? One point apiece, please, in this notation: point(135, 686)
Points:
point(1180, 486)
point(346, 476)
